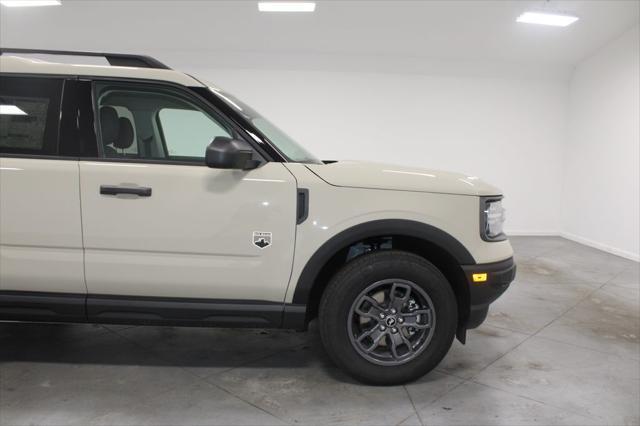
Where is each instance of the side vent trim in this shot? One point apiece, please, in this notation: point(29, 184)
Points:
point(302, 205)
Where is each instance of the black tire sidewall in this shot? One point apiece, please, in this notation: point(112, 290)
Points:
point(352, 280)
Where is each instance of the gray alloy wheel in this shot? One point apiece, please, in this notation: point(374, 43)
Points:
point(391, 322)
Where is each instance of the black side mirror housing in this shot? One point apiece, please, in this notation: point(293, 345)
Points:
point(227, 153)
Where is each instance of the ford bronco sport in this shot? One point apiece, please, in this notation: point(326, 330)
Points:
point(132, 193)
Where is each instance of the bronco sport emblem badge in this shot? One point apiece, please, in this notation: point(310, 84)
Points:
point(261, 239)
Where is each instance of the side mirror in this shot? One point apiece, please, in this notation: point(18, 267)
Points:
point(227, 153)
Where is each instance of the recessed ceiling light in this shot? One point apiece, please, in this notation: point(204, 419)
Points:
point(286, 6)
point(545, 18)
point(29, 3)
point(11, 110)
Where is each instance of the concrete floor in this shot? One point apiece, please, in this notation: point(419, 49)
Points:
point(560, 347)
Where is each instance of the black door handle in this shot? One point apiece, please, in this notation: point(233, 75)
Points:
point(140, 191)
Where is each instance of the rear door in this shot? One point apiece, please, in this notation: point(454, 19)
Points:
point(41, 260)
point(158, 223)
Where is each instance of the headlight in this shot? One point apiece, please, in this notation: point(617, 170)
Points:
point(492, 216)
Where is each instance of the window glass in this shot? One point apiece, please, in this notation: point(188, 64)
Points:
point(291, 150)
point(186, 132)
point(147, 122)
point(29, 115)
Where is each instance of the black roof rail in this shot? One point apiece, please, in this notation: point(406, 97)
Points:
point(114, 59)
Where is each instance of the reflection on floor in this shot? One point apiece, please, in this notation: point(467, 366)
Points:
point(560, 347)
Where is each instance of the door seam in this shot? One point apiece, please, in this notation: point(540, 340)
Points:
point(84, 260)
point(295, 243)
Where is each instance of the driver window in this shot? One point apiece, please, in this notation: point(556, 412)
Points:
point(154, 123)
point(187, 131)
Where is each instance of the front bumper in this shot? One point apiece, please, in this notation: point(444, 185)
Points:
point(481, 294)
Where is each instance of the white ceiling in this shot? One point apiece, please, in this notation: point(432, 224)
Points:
point(387, 36)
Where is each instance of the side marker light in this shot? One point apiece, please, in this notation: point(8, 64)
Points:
point(479, 278)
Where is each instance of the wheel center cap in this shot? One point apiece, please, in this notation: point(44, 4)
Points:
point(391, 321)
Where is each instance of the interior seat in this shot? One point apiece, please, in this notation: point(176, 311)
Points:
point(125, 134)
point(110, 126)
point(117, 132)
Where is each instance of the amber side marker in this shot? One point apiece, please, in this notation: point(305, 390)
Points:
point(479, 278)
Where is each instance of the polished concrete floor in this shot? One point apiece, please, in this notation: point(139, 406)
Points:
point(560, 347)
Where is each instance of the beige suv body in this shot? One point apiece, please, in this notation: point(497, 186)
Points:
point(132, 193)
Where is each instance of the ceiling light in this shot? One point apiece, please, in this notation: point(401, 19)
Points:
point(30, 3)
point(544, 18)
point(286, 6)
point(11, 110)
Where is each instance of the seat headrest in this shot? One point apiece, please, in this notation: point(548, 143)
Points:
point(125, 134)
point(109, 124)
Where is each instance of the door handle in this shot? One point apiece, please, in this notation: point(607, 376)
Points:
point(140, 191)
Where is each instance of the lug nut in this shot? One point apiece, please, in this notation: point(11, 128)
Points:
point(393, 311)
point(400, 320)
point(394, 330)
point(382, 315)
point(383, 328)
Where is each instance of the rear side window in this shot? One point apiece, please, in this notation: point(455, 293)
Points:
point(29, 115)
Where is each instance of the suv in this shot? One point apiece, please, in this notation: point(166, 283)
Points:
point(132, 193)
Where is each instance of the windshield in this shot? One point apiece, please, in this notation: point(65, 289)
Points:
point(283, 142)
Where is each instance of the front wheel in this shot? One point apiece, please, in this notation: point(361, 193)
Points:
point(388, 317)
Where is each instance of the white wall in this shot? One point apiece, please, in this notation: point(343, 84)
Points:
point(508, 131)
point(602, 180)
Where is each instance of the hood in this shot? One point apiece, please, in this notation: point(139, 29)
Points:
point(357, 174)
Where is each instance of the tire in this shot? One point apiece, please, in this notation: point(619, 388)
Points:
point(342, 327)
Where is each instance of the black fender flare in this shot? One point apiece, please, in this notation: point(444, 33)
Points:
point(408, 228)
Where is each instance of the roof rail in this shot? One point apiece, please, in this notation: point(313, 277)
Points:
point(114, 59)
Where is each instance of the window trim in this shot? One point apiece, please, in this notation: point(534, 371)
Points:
point(40, 156)
point(267, 152)
point(163, 139)
point(60, 112)
point(77, 134)
point(264, 143)
point(198, 100)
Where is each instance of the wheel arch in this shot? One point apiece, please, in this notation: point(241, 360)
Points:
point(434, 244)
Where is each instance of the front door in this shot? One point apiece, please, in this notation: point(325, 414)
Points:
point(158, 223)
